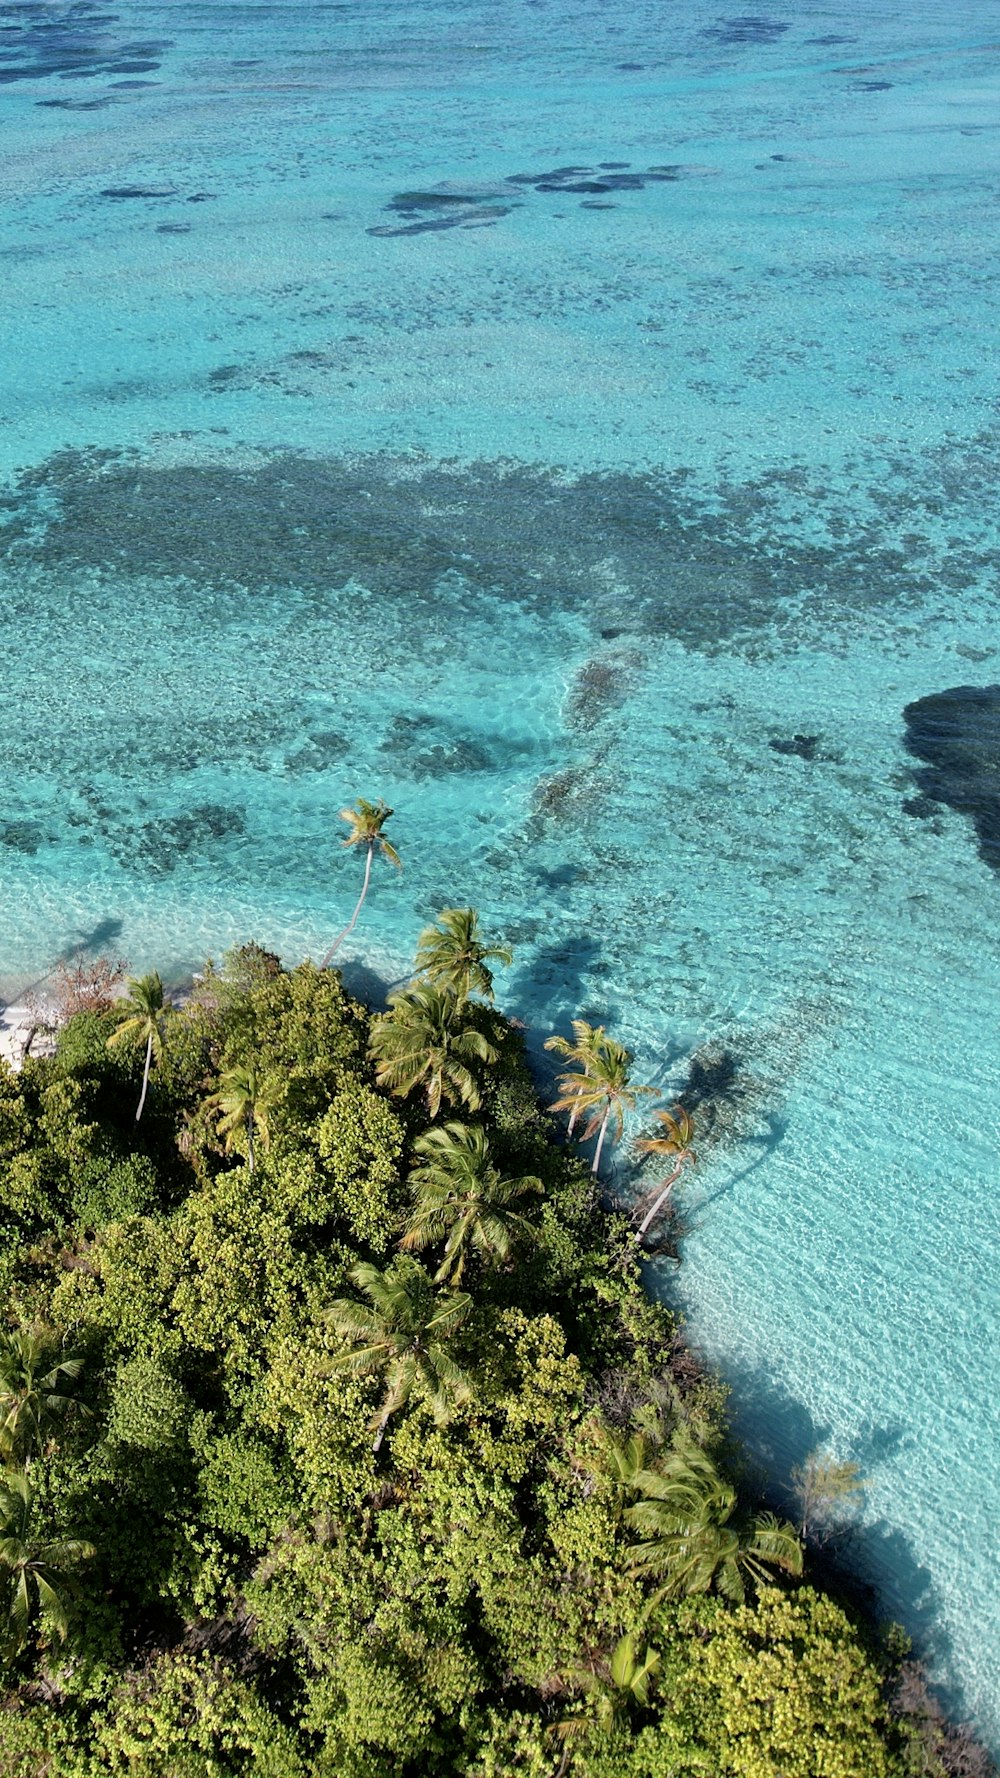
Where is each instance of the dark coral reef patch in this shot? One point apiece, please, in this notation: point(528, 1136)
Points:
point(956, 733)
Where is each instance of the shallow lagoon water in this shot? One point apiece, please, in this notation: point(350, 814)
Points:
point(365, 431)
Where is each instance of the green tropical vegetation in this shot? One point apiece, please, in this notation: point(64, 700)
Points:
point(340, 1439)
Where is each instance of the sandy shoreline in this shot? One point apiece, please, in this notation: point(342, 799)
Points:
point(21, 1027)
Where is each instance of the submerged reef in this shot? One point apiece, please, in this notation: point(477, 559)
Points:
point(634, 554)
point(957, 735)
point(71, 43)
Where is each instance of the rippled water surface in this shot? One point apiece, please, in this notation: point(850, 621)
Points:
point(576, 423)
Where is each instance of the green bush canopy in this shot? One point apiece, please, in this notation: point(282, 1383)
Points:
point(339, 1438)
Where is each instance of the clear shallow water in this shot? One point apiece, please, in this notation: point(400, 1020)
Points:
point(545, 525)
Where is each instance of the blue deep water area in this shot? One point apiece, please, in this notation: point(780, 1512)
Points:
point(577, 423)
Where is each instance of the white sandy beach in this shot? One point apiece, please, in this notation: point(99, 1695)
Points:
point(19, 1026)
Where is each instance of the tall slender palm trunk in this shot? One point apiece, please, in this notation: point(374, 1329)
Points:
point(250, 1138)
point(600, 1140)
point(380, 1431)
point(352, 922)
point(145, 1075)
point(660, 1199)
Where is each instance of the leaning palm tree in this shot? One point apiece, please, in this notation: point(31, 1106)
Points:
point(32, 1390)
point(603, 1093)
point(693, 1535)
point(580, 1053)
point(140, 1020)
point(405, 1335)
point(365, 821)
point(678, 1130)
point(451, 954)
point(461, 1199)
point(32, 1570)
point(424, 1042)
point(245, 1101)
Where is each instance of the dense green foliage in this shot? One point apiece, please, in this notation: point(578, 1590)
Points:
point(283, 1497)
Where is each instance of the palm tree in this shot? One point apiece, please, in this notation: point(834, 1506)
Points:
point(31, 1390)
point(30, 1569)
point(405, 1335)
point(366, 821)
point(461, 1199)
point(603, 1091)
point(693, 1534)
point(678, 1130)
point(589, 1039)
point(451, 955)
point(624, 1460)
point(140, 1020)
point(613, 1691)
point(423, 1042)
point(245, 1101)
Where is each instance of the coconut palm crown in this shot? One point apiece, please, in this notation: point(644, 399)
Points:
point(244, 1102)
point(675, 1141)
point(32, 1570)
point(404, 1334)
point(461, 1199)
point(33, 1379)
point(423, 1041)
point(586, 1045)
point(451, 954)
point(693, 1533)
point(602, 1090)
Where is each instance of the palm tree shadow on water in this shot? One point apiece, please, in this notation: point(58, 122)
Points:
point(870, 1564)
point(724, 1100)
point(553, 985)
point(366, 985)
point(89, 944)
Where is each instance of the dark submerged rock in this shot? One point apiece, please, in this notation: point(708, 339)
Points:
point(602, 686)
point(74, 104)
point(446, 196)
point(956, 733)
point(922, 808)
point(138, 191)
point(22, 836)
point(746, 29)
point(480, 217)
point(804, 746)
point(321, 750)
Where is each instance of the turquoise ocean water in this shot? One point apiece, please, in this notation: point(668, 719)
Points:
point(577, 423)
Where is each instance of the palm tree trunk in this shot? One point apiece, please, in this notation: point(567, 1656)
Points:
point(380, 1432)
point(145, 1075)
point(600, 1141)
point(250, 1138)
point(352, 922)
point(661, 1196)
